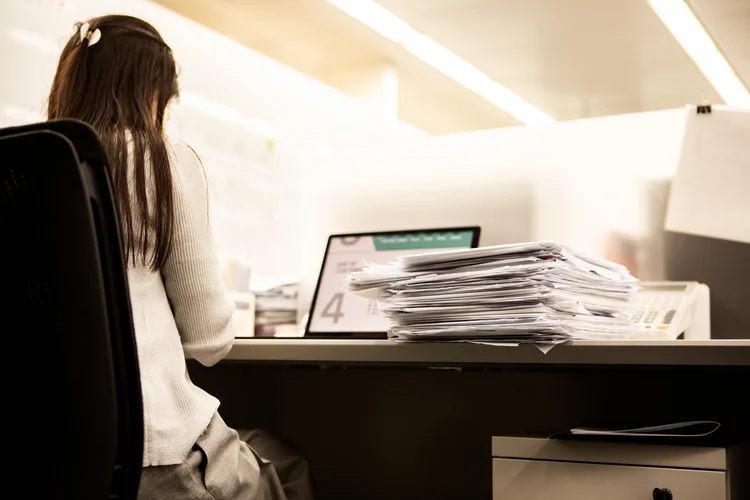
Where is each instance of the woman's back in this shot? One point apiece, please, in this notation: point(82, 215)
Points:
point(180, 308)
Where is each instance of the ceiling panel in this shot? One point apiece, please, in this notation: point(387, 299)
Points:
point(306, 34)
point(571, 58)
point(439, 105)
point(728, 22)
point(317, 39)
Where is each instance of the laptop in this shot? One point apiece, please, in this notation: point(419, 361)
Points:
point(338, 313)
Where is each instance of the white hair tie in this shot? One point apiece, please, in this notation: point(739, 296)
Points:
point(91, 36)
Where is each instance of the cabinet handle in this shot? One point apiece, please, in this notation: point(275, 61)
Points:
point(662, 494)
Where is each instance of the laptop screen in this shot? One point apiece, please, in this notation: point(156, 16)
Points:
point(335, 311)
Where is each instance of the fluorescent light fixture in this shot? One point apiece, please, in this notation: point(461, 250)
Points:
point(448, 63)
point(228, 114)
point(428, 50)
point(376, 17)
point(523, 111)
point(690, 33)
point(34, 41)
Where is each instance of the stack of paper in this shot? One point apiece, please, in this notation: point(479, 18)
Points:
point(537, 292)
point(275, 308)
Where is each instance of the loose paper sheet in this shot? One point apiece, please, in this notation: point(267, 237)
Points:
point(711, 190)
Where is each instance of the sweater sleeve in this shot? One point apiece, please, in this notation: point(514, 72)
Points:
point(192, 277)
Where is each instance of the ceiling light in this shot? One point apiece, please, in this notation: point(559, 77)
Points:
point(428, 50)
point(33, 40)
point(448, 63)
point(689, 32)
point(522, 110)
point(377, 18)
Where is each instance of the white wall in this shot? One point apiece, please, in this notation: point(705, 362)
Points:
point(562, 160)
point(574, 182)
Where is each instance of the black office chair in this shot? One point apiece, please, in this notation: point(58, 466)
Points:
point(63, 265)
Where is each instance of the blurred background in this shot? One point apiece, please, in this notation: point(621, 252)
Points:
point(541, 119)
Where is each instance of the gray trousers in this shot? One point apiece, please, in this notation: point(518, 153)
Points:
point(223, 466)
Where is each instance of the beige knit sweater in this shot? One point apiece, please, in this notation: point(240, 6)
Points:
point(184, 309)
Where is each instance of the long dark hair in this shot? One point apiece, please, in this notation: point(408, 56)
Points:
point(120, 82)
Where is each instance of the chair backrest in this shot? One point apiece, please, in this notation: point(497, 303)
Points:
point(64, 268)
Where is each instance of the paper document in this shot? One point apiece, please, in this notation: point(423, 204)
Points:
point(699, 428)
point(709, 194)
point(539, 293)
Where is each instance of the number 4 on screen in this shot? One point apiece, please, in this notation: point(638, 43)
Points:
point(333, 308)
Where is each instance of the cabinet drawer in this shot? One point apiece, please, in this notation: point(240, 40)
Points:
point(543, 480)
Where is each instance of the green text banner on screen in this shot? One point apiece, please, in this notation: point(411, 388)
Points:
point(336, 310)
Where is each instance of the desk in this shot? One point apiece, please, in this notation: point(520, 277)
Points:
point(386, 352)
point(383, 420)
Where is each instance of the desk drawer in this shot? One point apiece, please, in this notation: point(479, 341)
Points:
point(544, 480)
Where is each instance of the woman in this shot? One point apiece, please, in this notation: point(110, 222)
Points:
point(117, 74)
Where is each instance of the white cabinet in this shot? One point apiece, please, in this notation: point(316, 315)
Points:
point(542, 469)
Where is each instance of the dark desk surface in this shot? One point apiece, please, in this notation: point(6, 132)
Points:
point(623, 353)
point(374, 422)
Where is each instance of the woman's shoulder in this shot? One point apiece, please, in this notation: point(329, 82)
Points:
point(185, 161)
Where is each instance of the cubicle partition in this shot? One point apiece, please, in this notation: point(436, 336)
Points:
point(721, 264)
point(725, 267)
